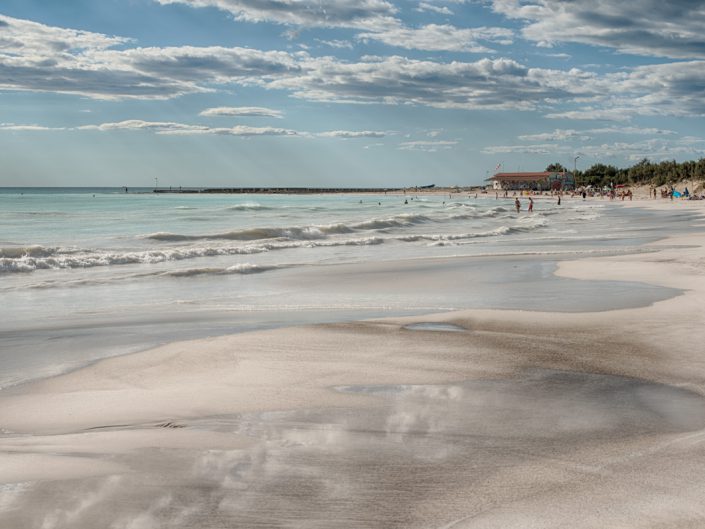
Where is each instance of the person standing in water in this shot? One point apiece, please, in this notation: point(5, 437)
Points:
point(517, 204)
point(531, 205)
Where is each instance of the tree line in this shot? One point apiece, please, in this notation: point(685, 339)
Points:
point(643, 172)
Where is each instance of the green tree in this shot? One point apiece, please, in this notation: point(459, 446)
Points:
point(556, 168)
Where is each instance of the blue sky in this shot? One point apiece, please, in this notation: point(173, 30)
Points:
point(342, 92)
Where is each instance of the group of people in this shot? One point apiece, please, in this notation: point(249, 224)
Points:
point(517, 204)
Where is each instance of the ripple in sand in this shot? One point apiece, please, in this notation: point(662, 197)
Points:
point(422, 456)
point(430, 326)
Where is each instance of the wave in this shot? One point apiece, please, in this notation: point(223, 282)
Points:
point(54, 259)
point(296, 232)
point(15, 252)
point(241, 268)
point(248, 206)
point(498, 231)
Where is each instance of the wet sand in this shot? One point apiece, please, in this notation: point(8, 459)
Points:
point(472, 419)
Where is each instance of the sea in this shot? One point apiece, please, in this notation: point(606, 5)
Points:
point(88, 273)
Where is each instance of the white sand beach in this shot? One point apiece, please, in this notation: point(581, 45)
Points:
point(479, 418)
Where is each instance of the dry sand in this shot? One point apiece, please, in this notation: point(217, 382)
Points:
point(511, 419)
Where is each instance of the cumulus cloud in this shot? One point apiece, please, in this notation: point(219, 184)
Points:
point(590, 113)
point(556, 135)
point(637, 131)
point(441, 10)
point(435, 37)
point(587, 134)
point(366, 14)
point(643, 27)
point(37, 57)
point(427, 145)
point(242, 111)
point(171, 128)
point(675, 89)
point(339, 44)
point(31, 128)
point(545, 148)
point(652, 148)
point(352, 134)
point(489, 84)
point(43, 58)
point(23, 38)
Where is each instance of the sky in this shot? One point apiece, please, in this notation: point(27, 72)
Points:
point(336, 93)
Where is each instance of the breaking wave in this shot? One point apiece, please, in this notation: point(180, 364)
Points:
point(241, 268)
point(296, 232)
point(248, 206)
point(23, 260)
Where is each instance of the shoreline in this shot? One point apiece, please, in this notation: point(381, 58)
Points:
point(566, 268)
point(132, 399)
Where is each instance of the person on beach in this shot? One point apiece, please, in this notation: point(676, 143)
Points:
point(517, 204)
point(559, 199)
point(531, 204)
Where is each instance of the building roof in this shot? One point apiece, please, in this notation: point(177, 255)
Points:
point(526, 176)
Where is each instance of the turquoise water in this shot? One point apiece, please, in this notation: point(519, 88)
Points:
point(87, 273)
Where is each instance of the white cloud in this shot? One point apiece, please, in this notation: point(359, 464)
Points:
point(592, 113)
point(652, 148)
point(675, 89)
point(174, 128)
point(489, 84)
point(556, 135)
point(339, 44)
point(89, 64)
point(546, 148)
point(642, 27)
point(242, 111)
point(24, 38)
point(171, 128)
point(441, 10)
point(365, 14)
point(585, 135)
point(435, 37)
point(43, 58)
point(649, 131)
point(352, 134)
point(28, 127)
point(427, 145)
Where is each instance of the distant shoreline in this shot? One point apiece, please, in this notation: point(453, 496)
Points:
point(282, 190)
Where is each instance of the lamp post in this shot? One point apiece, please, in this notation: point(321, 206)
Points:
point(575, 169)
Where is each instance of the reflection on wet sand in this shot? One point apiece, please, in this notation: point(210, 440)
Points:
point(422, 456)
